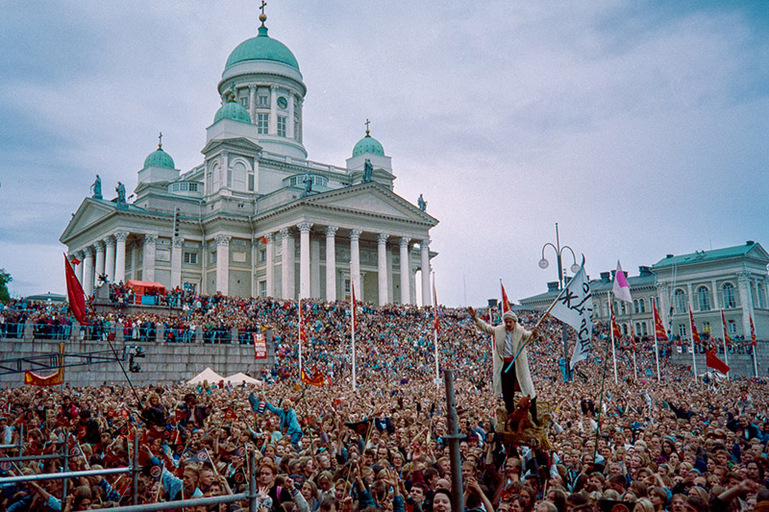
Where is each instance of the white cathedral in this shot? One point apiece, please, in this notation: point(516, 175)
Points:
point(256, 213)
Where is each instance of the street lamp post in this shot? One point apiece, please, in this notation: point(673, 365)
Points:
point(543, 264)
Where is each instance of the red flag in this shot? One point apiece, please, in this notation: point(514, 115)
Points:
point(614, 326)
point(714, 362)
point(505, 300)
point(264, 240)
point(695, 334)
point(316, 380)
point(727, 339)
point(76, 261)
point(229, 414)
point(752, 333)
point(75, 293)
point(659, 329)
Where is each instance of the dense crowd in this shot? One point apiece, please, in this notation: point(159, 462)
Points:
point(676, 445)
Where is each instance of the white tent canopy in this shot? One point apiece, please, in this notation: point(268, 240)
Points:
point(240, 378)
point(206, 375)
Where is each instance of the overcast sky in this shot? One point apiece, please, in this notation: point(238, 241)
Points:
point(642, 128)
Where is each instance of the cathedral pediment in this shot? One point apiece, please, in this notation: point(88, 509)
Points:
point(91, 213)
point(370, 199)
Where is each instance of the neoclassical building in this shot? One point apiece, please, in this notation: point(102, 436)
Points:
point(256, 217)
point(734, 279)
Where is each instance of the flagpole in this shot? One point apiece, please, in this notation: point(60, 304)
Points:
point(354, 376)
point(435, 335)
point(300, 340)
point(657, 354)
point(723, 329)
point(691, 326)
point(612, 321)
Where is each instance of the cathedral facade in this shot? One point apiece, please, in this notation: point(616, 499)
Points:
point(256, 217)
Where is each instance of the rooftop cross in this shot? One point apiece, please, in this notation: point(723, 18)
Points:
point(262, 16)
point(367, 123)
point(160, 140)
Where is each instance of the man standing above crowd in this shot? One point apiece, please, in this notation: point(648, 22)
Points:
point(508, 338)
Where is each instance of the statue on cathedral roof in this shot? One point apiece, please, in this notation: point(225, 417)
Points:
point(422, 203)
point(120, 189)
point(96, 188)
point(368, 171)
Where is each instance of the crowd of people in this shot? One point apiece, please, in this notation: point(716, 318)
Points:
point(677, 445)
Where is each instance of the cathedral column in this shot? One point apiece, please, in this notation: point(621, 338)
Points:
point(79, 267)
point(314, 266)
point(273, 127)
point(405, 270)
point(88, 271)
point(109, 264)
point(176, 261)
point(120, 238)
point(287, 256)
point(355, 261)
point(331, 263)
point(148, 260)
point(99, 261)
point(223, 263)
point(252, 103)
point(743, 284)
point(382, 267)
point(290, 120)
point(269, 269)
point(413, 281)
point(304, 259)
point(425, 272)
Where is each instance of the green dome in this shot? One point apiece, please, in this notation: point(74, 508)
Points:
point(368, 144)
point(262, 47)
point(159, 158)
point(232, 110)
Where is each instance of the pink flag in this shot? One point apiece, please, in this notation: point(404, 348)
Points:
point(621, 288)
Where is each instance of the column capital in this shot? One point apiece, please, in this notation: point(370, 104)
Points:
point(355, 234)
point(109, 241)
point(425, 244)
point(743, 276)
point(405, 241)
point(88, 251)
point(304, 227)
point(178, 241)
point(285, 233)
point(381, 238)
point(120, 236)
point(99, 245)
point(223, 240)
point(252, 87)
point(79, 255)
point(150, 239)
point(273, 87)
point(270, 237)
point(331, 231)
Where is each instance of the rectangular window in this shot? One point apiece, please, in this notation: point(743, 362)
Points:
point(244, 101)
point(706, 327)
point(262, 288)
point(262, 123)
point(682, 330)
point(262, 255)
point(281, 126)
point(263, 101)
point(731, 326)
point(193, 187)
point(250, 182)
point(191, 258)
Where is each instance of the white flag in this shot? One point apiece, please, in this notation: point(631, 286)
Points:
point(621, 288)
point(575, 307)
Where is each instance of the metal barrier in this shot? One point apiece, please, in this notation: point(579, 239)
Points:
point(249, 495)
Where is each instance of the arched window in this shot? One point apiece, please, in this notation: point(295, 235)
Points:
point(624, 329)
point(728, 290)
point(635, 306)
point(644, 328)
point(679, 300)
point(642, 305)
point(703, 298)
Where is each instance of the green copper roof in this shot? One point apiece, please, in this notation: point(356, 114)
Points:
point(715, 254)
point(232, 110)
point(368, 144)
point(159, 158)
point(262, 47)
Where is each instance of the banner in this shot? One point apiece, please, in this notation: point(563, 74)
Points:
point(260, 345)
point(33, 379)
point(575, 307)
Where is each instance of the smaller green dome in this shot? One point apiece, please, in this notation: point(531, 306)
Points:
point(232, 110)
point(368, 144)
point(159, 158)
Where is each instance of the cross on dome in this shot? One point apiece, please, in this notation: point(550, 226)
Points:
point(262, 16)
point(367, 123)
point(160, 140)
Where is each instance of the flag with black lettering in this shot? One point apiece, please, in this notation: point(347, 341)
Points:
point(574, 306)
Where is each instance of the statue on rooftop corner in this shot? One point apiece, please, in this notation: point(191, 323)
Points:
point(368, 170)
point(120, 189)
point(307, 185)
point(96, 188)
point(422, 203)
